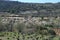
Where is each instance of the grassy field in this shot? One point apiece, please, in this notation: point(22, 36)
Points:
point(19, 36)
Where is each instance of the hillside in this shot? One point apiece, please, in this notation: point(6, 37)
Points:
point(40, 9)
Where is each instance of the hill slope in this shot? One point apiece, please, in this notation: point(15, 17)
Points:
point(50, 9)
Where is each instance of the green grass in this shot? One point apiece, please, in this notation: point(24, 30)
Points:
point(14, 36)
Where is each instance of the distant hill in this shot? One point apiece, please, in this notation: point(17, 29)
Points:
point(41, 9)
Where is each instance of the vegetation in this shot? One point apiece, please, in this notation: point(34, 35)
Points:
point(36, 9)
point(28, 30)
point(21, 31)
